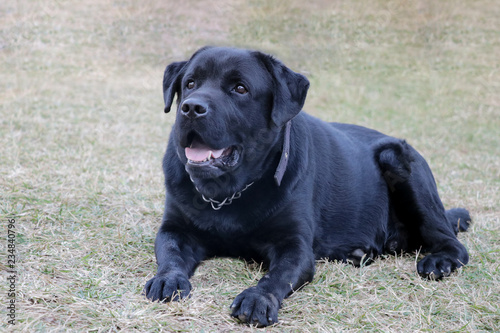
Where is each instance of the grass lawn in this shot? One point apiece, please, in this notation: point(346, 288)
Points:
point(82, 134)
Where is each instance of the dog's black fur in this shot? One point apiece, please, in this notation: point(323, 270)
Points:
point(348, 193)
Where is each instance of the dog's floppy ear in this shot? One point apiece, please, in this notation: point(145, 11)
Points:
point(171, 82)
point(290, 90)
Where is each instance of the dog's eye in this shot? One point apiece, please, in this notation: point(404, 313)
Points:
point(190, 84)
point(240, 89)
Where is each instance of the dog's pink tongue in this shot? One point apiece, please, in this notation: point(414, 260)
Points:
point(199, 152)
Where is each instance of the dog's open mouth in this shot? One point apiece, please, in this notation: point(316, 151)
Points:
point(200, 154)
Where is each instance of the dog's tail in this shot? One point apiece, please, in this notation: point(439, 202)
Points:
point(459, 219)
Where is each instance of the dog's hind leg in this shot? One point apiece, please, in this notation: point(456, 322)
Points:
point(459, 219)
point(416, 203)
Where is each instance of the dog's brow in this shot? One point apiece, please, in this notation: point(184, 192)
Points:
point(201, 71)
point(233, 75)
point(206, 69)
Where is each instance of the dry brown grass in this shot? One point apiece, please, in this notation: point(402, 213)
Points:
point(82, 134)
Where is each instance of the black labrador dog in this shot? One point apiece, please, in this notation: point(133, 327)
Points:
point(248, 175)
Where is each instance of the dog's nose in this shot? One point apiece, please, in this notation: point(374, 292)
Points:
point(194, 108)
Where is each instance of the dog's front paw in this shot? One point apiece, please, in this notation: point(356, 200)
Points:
point(436, 266)
point(166, 288)
point(256, 307)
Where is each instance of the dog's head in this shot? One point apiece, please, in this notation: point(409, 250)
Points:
point(231, 107)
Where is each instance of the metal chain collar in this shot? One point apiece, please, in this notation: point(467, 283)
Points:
point(216, 205)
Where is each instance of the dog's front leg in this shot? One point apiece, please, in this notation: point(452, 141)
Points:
point(177, 254)
point(291, 266)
